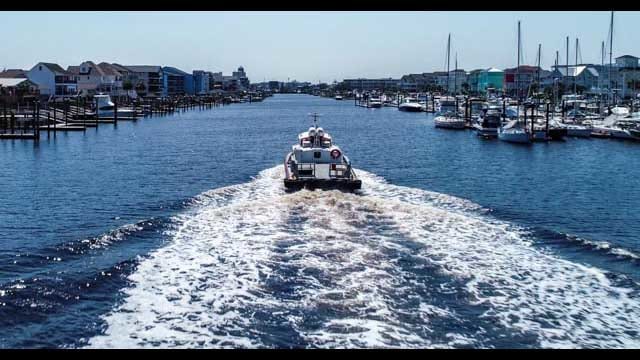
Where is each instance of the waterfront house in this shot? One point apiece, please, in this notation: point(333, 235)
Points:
point(147, 80)
point(628, 75)
point(93, 79)
point(53, 80)
point(13, 90)
point(526, 76)
point(584, 77)
point(417, 82)
point(13, 74)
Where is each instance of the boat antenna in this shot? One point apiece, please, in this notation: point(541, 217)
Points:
point(315, 117)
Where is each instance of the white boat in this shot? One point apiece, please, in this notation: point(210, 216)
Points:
point(315, 162)
point(449, 121)
point(577, 130)
point(338, 97)
point(514, 133)
point(374, 103)
point(105, 108)
point(410, 104)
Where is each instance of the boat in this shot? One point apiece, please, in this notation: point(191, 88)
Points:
point(315, 162)
point(374, 102)
point(105, 108)
point(514, 133)
point(411, 105)
point(489, 123)
point(338, 97)
point(449, 120)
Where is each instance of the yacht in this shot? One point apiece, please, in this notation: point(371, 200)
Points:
point(315, 162)
point(410, 104)
point(338, 97)
point(105, 108)
point(489, 122)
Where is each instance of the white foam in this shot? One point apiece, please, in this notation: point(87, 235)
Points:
point(325, 268)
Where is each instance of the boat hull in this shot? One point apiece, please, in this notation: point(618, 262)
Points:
point(514, 137)
point(455, 125)
point(324, 184)
point(410, 108)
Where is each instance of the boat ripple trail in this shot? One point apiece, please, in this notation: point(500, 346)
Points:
point(252, 266)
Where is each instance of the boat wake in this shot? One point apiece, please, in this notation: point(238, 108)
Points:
point(252, 266)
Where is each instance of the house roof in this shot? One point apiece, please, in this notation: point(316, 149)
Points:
point(120, 68)
point(144, 68)
point(173, 71)
point(573, 71)
point(626, 56)
point(55, 68)
point(74, 70)
point(13, 73)
point(109, 69)
point(8, 82)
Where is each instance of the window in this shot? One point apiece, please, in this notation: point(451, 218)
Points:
point(40, 68)
point(317, 154)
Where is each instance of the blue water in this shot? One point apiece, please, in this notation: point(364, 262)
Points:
point(175, 231)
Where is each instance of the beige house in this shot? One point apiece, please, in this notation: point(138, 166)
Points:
point(93, 79)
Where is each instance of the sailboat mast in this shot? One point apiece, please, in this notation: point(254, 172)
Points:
point(610, 53)
point(448, 58)
point(539, 54)
point(518, 67)
point(455, 77)
point(567, 59)
point(575, 80)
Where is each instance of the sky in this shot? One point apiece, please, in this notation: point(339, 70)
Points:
point(309, 46)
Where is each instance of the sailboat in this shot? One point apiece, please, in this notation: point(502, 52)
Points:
point(513, 131)
point(446, 118)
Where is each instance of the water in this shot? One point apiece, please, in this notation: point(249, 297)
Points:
point(176, 232)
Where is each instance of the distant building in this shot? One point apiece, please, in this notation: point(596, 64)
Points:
point(584, 76)
point(176, 82)
point(241, 77)
point(627, 61)
point(13, 89)
point(526, 76)
point(147, 80)
point(457, 77)
point(201, 81)
point(371, 84)
point(481, 81)
point(53, 80)
point(93, 79)
point(417, 82)
point(13, 74)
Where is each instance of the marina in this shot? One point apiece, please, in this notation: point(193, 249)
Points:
point(85, 275)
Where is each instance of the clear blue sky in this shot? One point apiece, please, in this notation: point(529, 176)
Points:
point(307, 46)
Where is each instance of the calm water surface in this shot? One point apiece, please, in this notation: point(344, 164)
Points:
point(176, 232)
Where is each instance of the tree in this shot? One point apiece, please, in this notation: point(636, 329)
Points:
point(127, 85)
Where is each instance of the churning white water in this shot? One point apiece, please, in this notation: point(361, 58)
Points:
point(252, 266)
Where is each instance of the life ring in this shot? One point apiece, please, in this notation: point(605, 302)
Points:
point(335, 153)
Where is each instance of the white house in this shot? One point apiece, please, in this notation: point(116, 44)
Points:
point(53, 80)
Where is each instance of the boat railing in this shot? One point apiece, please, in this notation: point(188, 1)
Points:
point(341, 170)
